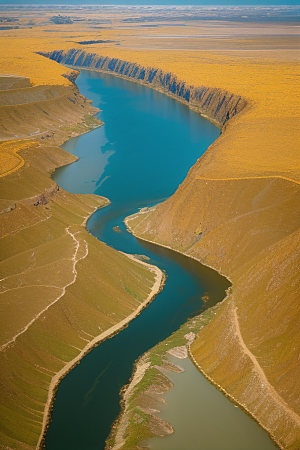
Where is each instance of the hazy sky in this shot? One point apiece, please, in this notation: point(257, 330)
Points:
point(155, 2)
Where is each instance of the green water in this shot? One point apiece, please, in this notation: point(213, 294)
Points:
point(139, 157)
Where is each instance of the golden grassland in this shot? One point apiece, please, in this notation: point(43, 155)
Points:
point(268, 83)
point(236, 212)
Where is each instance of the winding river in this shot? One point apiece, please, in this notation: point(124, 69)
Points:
point(138, 158)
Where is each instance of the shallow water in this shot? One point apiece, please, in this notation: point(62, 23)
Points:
point(139, 157)
point(205, 417)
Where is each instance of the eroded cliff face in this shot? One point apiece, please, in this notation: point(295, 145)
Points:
point(216, 104)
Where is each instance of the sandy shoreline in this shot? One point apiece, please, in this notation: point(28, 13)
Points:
point(119, 428)
point(156, 288)
point(121, 423)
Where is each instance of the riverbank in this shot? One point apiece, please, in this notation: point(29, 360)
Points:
point(131, 229)
point(143, 397)
point(156, 288)
point(232, 398)
point(226, 328)
point(47, 256)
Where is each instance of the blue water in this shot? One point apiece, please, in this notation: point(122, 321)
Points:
point(139, 157)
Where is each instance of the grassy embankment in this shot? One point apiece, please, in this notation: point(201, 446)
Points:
point(61, 289)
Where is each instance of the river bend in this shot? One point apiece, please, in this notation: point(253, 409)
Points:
point(138, 158)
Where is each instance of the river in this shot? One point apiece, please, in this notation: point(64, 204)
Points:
point(138, 158)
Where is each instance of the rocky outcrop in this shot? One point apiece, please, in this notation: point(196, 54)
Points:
point(71, 75)
point(216, 104)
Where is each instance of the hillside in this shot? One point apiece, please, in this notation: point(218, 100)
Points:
point(62, 291)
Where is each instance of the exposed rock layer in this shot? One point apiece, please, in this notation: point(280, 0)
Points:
point(218, 105)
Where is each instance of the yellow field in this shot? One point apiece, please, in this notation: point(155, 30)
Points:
point(9, 158)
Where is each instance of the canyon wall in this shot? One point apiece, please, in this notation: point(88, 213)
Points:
point(216, 104)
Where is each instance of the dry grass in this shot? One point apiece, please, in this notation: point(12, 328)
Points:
point(268, 80)
point(249, 220)
point(60, 287)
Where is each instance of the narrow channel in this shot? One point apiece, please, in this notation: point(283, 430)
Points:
point(139, 157)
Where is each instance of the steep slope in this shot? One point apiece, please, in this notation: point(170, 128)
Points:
point(61, 290)
point(248, 230)
point(35, 111)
